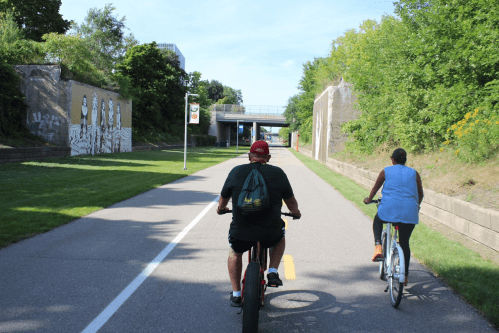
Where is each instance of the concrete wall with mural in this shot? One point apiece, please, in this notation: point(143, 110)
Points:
point(100, 122)
point(68, 113)
point(332, 108)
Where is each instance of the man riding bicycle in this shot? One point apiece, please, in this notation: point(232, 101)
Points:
point(265, 226)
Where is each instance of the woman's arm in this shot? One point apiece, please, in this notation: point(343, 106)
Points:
point(379, 182)
point(420, 187)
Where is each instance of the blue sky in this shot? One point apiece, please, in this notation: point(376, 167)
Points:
point(256, 46)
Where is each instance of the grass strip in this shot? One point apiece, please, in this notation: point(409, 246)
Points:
point(474, 278)
point(39, 196)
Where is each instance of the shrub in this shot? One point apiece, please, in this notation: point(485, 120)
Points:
point(476, 136)
point(12, 107)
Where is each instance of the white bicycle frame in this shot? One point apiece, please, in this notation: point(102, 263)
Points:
point(393, 244)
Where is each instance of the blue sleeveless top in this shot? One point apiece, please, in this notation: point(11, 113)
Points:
point(400, 198)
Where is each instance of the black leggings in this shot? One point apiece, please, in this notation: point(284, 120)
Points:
point(405, 231)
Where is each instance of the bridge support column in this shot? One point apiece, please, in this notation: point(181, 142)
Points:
point(256, 131)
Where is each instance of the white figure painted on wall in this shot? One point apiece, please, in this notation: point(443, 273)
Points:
point(84, 134)
point(94, 139)
point(110, 124)
point(103, 127)
point(117, 132)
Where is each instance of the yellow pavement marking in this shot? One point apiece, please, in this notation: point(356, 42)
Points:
point(285, 224)
point(289, 267)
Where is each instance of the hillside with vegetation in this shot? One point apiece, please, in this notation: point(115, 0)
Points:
point(427, 80)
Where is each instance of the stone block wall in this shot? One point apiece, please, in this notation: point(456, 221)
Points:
point(332, 108)
point(471, 220)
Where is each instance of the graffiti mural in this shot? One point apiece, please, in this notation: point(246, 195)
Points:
point(107, 131)
point(44, 126)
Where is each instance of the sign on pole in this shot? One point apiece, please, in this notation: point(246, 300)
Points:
point(194, 113)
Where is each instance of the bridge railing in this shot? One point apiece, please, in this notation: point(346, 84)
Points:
point(267, 110)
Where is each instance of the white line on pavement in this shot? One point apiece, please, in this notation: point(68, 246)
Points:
point(111, 309)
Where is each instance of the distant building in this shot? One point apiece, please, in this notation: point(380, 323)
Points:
point(175, 49)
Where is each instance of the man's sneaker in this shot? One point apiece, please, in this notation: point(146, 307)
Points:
point(273, 280)
point(378, 253)
point(235, 301)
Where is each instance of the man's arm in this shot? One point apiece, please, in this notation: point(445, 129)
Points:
point(222, 204)
point(292, 205)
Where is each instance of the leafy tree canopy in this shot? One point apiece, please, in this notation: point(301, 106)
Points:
point(414, 75)
point(36, 17)
point(215, 90)
point(157, 88)
point(105, 35)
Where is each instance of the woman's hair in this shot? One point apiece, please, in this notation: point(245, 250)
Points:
point(400, 156)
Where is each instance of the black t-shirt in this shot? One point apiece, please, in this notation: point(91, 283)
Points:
point(267, 224)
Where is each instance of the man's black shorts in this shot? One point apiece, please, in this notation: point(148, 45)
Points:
point(240, 246)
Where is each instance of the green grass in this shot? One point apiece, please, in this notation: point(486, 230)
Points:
point(39, 196)
point(474, 278)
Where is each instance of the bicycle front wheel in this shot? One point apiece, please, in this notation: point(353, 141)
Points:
point(251, 298)
point(382, 264)
point(396, 286)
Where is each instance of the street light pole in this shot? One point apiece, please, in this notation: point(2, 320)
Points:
point(185, 134)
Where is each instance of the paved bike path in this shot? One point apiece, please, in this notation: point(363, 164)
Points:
point(63, 280)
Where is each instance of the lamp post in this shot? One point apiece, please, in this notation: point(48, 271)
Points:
point(185, 136)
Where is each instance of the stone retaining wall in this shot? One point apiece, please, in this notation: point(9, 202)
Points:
point(471, 220)
point(10, 155)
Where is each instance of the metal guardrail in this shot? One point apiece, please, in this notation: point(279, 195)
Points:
point(263, 110)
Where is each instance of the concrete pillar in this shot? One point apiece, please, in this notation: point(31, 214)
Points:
point(227, 135)
point(220, 127)
point(256, 131)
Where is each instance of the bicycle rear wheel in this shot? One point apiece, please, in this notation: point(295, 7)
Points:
point(382, 264)
point(396, 286)
point(251, 298)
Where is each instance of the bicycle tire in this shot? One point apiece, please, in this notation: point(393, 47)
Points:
point(396, 286)
point(382, 264)
point(251, 298)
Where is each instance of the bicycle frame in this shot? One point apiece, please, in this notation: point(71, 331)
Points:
point(258, 254)
point(392, 241)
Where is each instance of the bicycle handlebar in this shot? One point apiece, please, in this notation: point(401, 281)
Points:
point(374, 201)
point(295, 217)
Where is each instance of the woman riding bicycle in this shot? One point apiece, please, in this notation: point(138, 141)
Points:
point(402, 196)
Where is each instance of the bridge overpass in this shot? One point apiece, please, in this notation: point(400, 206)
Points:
point(227, 116)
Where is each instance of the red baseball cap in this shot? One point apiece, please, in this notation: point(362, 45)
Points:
point(260, 147)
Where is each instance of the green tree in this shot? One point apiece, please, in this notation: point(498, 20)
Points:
point(13, 48)
point(291, 113)
point(157, 90)
point(215, 90)
point(36, 17)
point(197, 86)
point(231, 96)
point(76, 60)
point(12, 107)
point(104, 34)
point(300, 108)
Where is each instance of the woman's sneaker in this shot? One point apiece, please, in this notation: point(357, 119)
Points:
point(378, 253)
point(273, 280)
